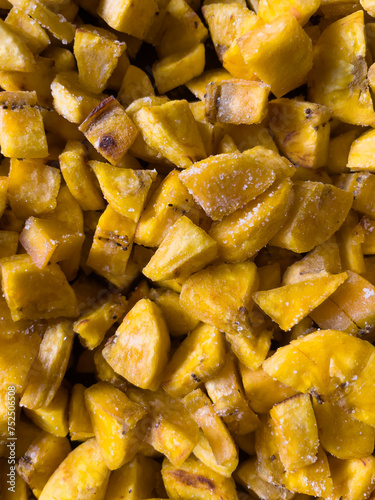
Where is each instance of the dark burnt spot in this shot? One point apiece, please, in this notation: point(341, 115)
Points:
point(195, 480)
point(242, 309)
point(114, 317)
point(99, 107)
point(194, 377)
point(196, 24)
point(317, 396)
point(107, 142)
point(273, 458)
point(308, 112)
point(316, 128)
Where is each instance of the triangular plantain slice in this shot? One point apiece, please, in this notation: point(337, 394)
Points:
point(288, 304)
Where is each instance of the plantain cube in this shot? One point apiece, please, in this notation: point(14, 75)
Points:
point(361, 152)
point(110, 130)
point(80, 427)
point(223, 31)
point(279, 53)
point(133, 18)
point(138, 351)
point(178, 68)
point(15, 55)
point(33, 187)
point(111, 247)
point(70, 99)
point(22, 133)
point(339, 76)
point(33, 293)
point(171, 129)
point(91, 473)
point(33, 34)
point(317, 213)
point(97, 52)
point(79, 177)
point(243, 233)
point(198, 358)
point(185, 249)
point(237, 101)
point(125, 189)
point(221, 184)
point(220, 295)
point(301, 131)
point(41, 459)
point(135, 85)
point(114, 419)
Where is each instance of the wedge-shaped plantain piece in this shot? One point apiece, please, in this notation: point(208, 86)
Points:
point(32, 33)
point(110, 130)
point(55, 23)
point(52, 418)
point(111, 247)
point(362, 185)
point(352, 479)
point(361, 152)
point(21, 126)
point(134, 480)
point(170, 128)
point(331, 365)
point(49, 367)
point(63, 58)
point(220, 295)
point(339, 76)
point(41, 459)
point(340, 434)
point(223, 31)
point(288, 304)
point(135, 85)
point(70, 99)
point(211, 133)
point(338, 151)
point(185, 249)
point(296, 431)
point(179, 321)
point(97, 52)
point(15, 55)
point(317, 213)
point(125, 189)
point(79, 177)
point(195, 480)
point(314, 479)
point(279, 53)
point(197, 85)
point(226, 392)
point(182, 29)
point(80, 426)
point(178, 68)
point(127, 17)
point(214, 429)
point(247, 475)
point(301, 10)
point(18, 351)
point(263, 391)
point(196, 360)
point(324, 257)
point(172, 431)
point(33, 187)
point(251, 345)
point(80, 476)
point(301, 131)
point(33, 293)
point(243, 233)
point(224, 183)
point(56, 235)
point(139, 349)
point(94, 324)
point(114, 419)
point(357, 299)
point(237, 101)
